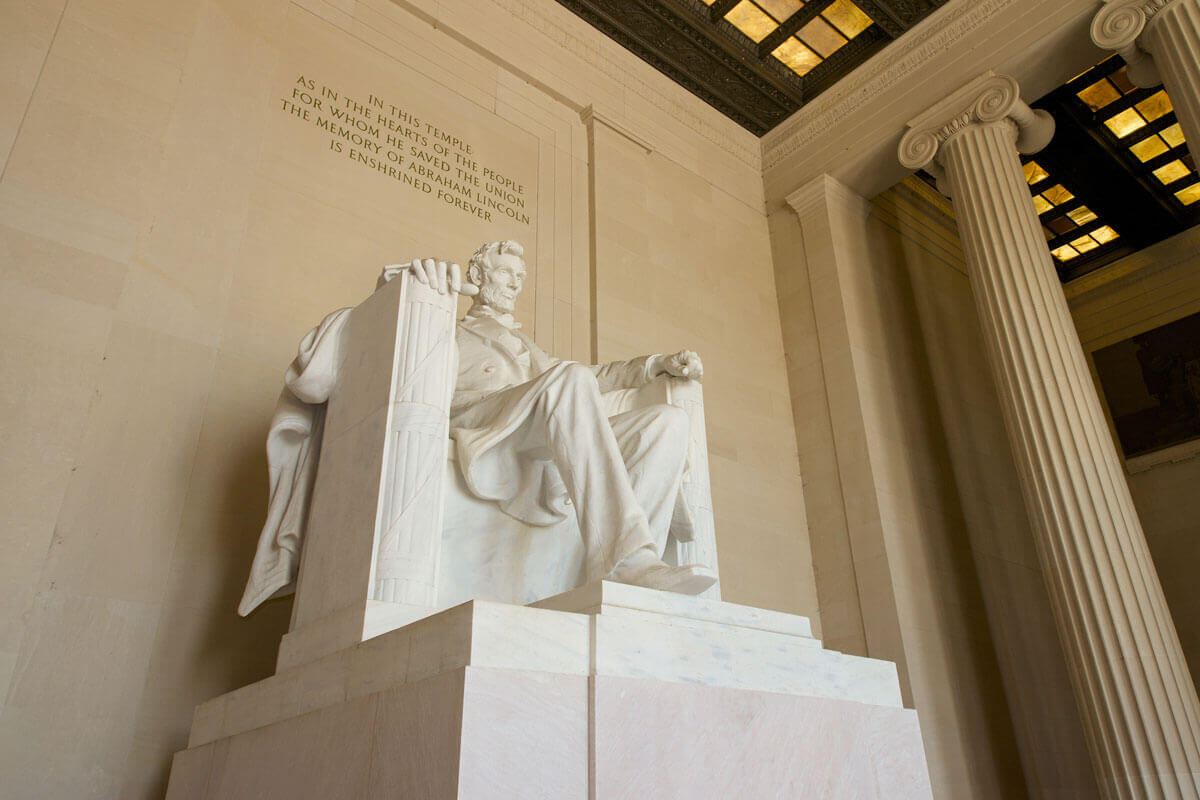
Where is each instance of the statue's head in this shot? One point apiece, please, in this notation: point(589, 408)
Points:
point(499, 271)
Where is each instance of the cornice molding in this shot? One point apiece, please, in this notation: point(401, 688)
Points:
point(824, 191)
point(869, 83)
point(591, 116)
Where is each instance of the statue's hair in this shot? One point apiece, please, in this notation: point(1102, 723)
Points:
point(482, 257)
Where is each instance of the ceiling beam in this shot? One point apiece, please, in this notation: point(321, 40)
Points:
point(718, 10)
point(883, 16)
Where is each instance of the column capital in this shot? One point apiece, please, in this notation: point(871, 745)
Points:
point(1118, 26)
point(988, 98)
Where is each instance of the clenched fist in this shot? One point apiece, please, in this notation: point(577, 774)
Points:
point(684, 364)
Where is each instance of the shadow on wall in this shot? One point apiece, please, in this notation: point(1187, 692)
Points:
point(206, 649)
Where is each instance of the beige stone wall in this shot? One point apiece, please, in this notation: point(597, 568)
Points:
point(168, 230)
point(682, 263)
point(921, 550)
point(923, 235)
point(1138, 293)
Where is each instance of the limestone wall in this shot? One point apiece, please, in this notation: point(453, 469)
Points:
point(176, 211)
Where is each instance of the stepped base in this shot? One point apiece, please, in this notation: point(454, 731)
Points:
point(609, 691)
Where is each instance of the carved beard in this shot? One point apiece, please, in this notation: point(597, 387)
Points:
point(492, 296)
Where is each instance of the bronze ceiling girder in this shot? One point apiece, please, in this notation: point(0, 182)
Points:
point(695, 46)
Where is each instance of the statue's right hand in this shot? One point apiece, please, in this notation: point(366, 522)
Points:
point(440, 276)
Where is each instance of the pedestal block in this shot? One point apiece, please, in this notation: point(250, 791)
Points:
point(608, 691)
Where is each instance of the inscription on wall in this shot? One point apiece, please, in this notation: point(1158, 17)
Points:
point(426, 158)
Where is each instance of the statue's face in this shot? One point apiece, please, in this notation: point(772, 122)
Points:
point(502, 283)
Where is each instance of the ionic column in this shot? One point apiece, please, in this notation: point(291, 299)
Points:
point(1160, 41)
point(1136, 697)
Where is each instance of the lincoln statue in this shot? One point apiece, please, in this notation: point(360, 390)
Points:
point(525, 424)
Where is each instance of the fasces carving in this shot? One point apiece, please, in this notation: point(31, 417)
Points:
point(406, 559)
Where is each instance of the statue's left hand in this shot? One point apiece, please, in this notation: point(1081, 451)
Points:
point(684, 364)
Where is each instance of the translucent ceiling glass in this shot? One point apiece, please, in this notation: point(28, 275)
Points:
point(1125, 123)
point(819, 37)
point(751, 20)
point(847, 18)
point(780, 9)
point(1189, 195)
point(1148, 148)
point(822, 37)
point(1172, 171)
point(1034, 173)
point(1075, 223)
point(796, 56)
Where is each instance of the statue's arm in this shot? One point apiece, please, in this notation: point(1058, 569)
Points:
point(637, 372)
point(624, 374)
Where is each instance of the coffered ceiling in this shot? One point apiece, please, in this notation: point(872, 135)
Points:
point(756, 61)
point(1117, 176)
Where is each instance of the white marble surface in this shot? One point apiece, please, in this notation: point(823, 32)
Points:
point(614, 630)
point(655, 739)
point(595, 597)
point(483, 733)
point(636, 644)
point(395, 520)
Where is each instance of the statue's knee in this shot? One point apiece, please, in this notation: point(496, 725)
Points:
point(673, 421)
point(577, 376)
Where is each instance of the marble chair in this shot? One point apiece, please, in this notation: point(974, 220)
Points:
point(392, 534)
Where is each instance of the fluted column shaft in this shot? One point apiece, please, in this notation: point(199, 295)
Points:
point(1160, 40)
point(1138, 704)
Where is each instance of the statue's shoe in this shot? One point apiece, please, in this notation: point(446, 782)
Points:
point(643, 568)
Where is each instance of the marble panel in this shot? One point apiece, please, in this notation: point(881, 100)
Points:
point(655, 739)
point(635, 644)
point(473, 634)
point(524, 734)
point(323, 754)
point(598, 597)
point(417, 739)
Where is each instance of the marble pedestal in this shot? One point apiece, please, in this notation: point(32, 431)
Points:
point(608, 691)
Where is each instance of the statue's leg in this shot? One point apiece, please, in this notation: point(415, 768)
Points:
point(653, 441)
point(582, 444)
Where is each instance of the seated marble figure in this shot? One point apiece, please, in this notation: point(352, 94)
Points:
point(537, 436)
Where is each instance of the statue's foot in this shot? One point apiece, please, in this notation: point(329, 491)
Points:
point(644, 568)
